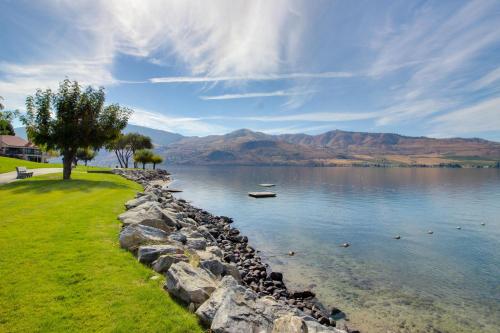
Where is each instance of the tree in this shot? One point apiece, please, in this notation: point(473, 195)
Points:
point(6, 118)
point(143, 156)
point(1, 104)
point(85, 154)
point(139, 141)
point(71, 118)
point(156, 159)
point(126, 145)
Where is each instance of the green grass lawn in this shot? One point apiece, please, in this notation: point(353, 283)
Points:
point(61, 268)
point(8, 164)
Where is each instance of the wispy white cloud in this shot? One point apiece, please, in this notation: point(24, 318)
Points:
point(260, 77)
point(438, 51)
point(488, 79)
point(184, 125)
point(310, 117)
point(20, 80)
point(480, 117)
point(278, 93)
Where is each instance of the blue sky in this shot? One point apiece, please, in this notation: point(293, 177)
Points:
point(209, 67)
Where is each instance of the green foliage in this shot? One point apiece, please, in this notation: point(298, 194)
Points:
point(85, 155)
point(80, 120)
point(126, 145)
point(1, 104)
point(6, 118)
point(143, 156)
point(6, 128)
point(62, 269)
point(156, 159)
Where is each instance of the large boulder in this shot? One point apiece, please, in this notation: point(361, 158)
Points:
point(163, 263)
point(149, 253)
point(190, 284)
point(135, 235)
point(140, 200)
point(289, 324)
point(170, 218)
point(198, 243)
point(150, 214)
point(232, 270)
point(210, 262)
point(233, 308)
point(228, 285)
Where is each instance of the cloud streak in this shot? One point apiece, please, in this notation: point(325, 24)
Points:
point(260, 77)
point(279, 93)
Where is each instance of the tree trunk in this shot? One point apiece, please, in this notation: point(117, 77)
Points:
point(67, 163)
point(143, 166)
point(154, 166)
point(86, 162)
point(118, 158)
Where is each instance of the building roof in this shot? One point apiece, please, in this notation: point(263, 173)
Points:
point(14, 141)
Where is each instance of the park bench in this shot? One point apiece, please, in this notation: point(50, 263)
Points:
point(22, 172)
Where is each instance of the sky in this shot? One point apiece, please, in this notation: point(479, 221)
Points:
point(428, 68)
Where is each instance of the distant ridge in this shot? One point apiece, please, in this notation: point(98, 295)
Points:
point(332, 148)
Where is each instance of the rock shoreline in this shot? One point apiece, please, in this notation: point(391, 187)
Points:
point(210, 266)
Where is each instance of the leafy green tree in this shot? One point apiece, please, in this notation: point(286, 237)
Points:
point(6, 118)
point(156, 159)
point(126, 145)
point(143, 156)
point(85, 155)
point(71, 118)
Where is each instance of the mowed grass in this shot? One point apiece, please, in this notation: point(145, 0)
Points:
point(61, 268)
point(8, 164)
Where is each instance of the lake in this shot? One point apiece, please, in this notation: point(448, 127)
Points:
point(447, 281)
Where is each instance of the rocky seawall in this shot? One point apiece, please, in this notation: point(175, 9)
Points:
point(210, 266)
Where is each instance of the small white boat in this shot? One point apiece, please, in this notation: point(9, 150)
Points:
point(267, 185)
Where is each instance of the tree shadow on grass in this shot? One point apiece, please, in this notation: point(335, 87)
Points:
point(40, 186)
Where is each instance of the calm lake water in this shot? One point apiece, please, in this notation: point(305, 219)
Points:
point(448, 281)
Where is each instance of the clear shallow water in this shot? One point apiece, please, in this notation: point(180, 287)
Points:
point(445, 282)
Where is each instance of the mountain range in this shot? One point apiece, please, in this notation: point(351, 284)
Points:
point(333, 148)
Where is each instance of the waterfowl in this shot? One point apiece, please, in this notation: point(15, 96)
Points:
point(459, 228)
point(482, 223)
point(345, 245)
point(430, 232)
point(397, 237)
point(291, 253)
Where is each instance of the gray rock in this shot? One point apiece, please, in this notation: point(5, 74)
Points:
point(133, 236)
point(196, 243)
point(163, 263)
point(150, 214)
point(289, 324)
point(232, 270)
point(211, 263)
point(190, 284)
point(140, 200)
point(177, 237)
point(170, 219)
point(228, 285)
point(233, 308)
point(215, 250)
point(149, 253)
